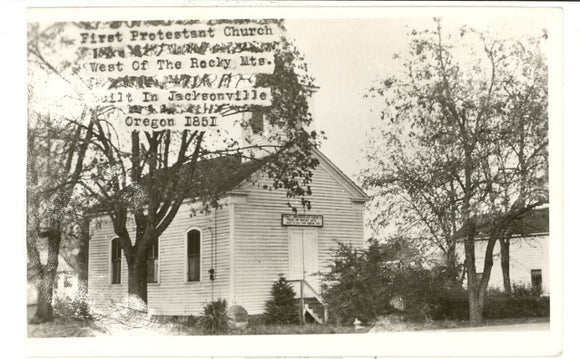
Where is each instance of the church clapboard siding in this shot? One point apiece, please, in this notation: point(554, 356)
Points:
point(173, 294)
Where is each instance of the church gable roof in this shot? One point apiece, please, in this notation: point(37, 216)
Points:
point(356, 193)
point(355, 190)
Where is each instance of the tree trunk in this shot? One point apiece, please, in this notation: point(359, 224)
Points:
point(137, 266)
point(505, 264)
point(44, 310)
point(451, 264)
point(137, 286)
point(482, 282)
point(475, 298)
point(475, 306)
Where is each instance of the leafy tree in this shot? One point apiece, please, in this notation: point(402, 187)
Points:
point(466, 140)
point(413, 196)
point(54, 168)
point(282, 308)
point(60, 139)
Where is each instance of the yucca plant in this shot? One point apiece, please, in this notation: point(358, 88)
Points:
point(214, 318)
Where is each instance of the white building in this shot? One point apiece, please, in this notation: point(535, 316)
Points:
point(529, 254)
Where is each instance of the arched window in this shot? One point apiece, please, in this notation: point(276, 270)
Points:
point(115, 261)
point(193, 255)
point(153, 263)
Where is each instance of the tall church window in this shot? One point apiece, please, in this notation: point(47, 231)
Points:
point(193, 255)
point(153, 263)
point(115, 261)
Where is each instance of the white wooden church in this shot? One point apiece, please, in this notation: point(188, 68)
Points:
point(237, 251)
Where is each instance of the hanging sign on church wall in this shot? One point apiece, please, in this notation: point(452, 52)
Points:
point(302, 220)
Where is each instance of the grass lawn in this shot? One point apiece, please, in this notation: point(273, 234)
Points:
point(75, 328)
point(62, 328)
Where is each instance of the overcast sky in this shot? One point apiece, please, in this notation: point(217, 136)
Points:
point(347, 56)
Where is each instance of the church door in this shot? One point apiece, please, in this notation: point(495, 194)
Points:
point(303, 255)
